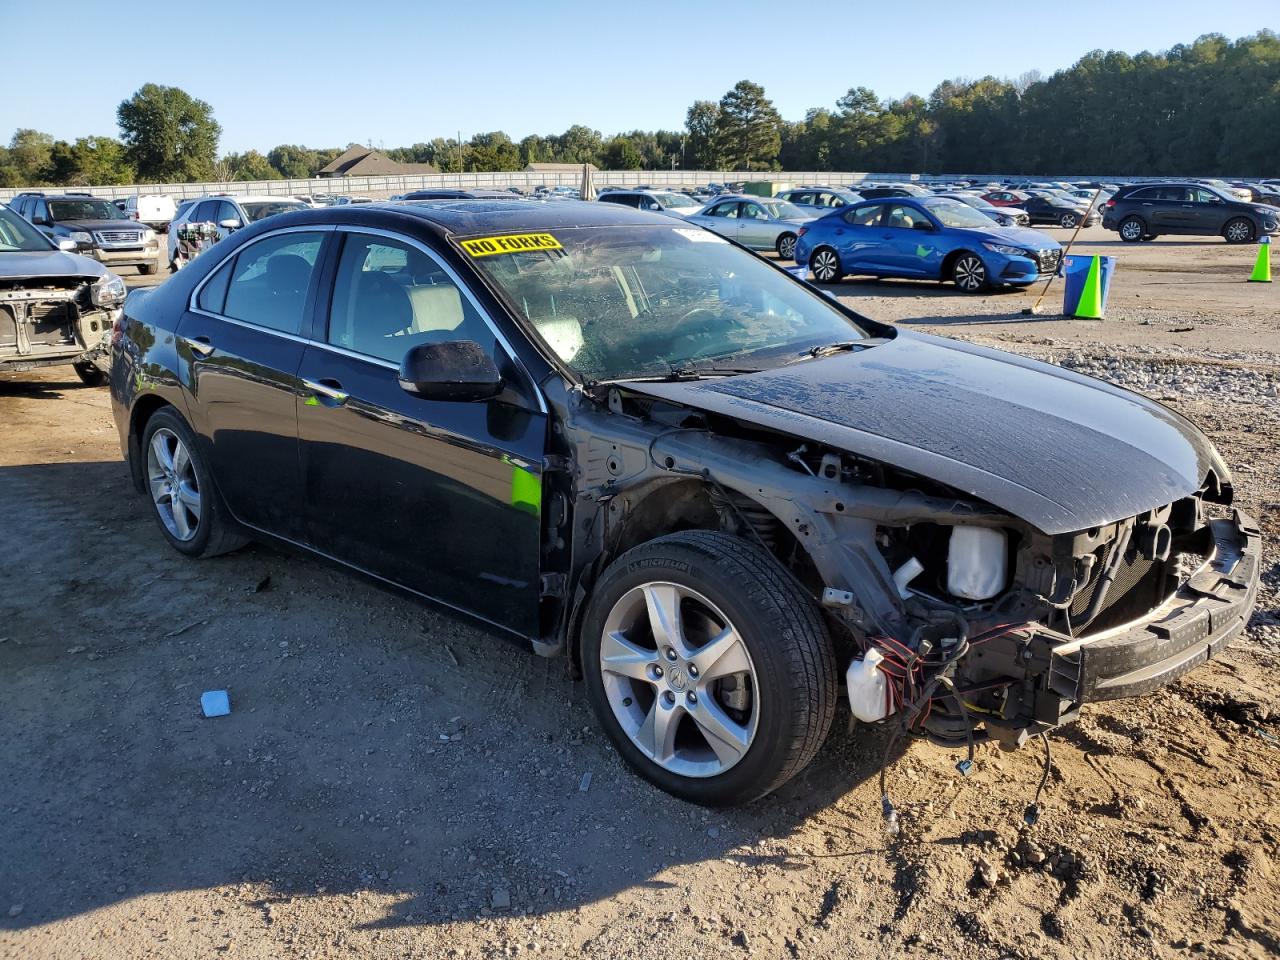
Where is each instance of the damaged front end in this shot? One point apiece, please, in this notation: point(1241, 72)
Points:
point(57, 320)
point(985, 627)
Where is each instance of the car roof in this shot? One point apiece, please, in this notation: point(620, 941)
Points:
point(472, 217)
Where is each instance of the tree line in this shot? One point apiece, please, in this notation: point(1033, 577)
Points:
point(1208, 107)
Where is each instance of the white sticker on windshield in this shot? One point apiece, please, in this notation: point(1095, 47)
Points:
point(699, 236)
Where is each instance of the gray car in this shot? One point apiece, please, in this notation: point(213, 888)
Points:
point(761, 223)
point(818, 201)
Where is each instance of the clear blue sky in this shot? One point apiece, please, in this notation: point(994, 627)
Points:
point(394, 72)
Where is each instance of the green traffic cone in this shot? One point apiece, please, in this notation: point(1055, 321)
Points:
point(1090, 305)
point(1262, 267)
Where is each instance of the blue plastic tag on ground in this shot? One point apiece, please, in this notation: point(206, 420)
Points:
point(800, 272)
point(215, 703)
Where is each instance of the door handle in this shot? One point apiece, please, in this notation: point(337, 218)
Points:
point(329, 389)
point(199, 345)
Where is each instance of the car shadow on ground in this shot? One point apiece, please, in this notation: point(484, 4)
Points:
point(15, 385)
point(373, 745)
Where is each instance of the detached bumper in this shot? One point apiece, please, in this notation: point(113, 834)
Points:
point(1206, 614)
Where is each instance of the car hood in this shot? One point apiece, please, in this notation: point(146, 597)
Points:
point(1062, 451)
point(1021, 236)
point(43, 264)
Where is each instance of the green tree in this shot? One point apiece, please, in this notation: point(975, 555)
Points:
point(91, 161)
point(492, 151)
point(578, 144)
point(701, 152)
point(250, 165)
point(747, 129)
point(294, 162)
point(170, 135)
point(621, 153)
point(31, 155)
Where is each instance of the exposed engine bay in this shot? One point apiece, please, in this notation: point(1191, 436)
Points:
point(981, 626)
point(54, 320)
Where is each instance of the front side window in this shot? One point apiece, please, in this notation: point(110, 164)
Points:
point(270, 280)
point(724, 210)
point(389, 297)
point(903, 217)
point(614, 303)
point(257, 210)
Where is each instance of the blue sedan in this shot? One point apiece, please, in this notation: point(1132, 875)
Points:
point(928, 238)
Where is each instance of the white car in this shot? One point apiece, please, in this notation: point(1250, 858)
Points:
point(228, 212)
point(659, 201)
point(153, 209)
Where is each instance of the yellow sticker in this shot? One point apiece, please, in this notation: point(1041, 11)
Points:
point(513, 243)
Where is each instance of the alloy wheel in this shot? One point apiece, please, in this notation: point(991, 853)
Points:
point(679, 679)
point(1131, 230)
point(175, 489)
point(1238, 231)
point(825, 265)
point(1068, 220)
point(787, 247)
point(970, 274)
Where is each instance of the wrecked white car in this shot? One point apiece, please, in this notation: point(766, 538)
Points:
point(56, 307)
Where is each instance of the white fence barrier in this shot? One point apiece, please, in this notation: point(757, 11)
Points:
point(383, 187)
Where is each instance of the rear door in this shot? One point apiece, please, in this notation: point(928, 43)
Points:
point(441, 497)
point(243, 342)
point(757, 229)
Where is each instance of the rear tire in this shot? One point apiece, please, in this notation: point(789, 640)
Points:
point(1239, 230)
point(197, 522)
point(787, 246)
point(969, 273)
point(90, 375)
point(1132, 229)
point(765, 696)
point(825, 265)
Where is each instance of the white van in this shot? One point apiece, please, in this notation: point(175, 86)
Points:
point(153, 209)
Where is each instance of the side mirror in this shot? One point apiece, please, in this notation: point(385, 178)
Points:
point(40, 221)
point(229, 224)
point(458, 370)
point(67, 245)
point(924, 225)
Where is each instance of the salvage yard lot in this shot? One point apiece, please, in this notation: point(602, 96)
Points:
point(395, 783)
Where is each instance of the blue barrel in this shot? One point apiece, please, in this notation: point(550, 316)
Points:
point(1076, 271)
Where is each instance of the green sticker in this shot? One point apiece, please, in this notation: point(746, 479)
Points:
point(923, 251)
point(526, 490)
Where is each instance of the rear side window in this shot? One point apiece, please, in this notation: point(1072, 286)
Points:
point(864, 216)
point(270, 279)
point(213, 295)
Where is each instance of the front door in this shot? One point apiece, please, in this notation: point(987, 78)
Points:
point(909, 250)
point(441, 497)
point(243, 343)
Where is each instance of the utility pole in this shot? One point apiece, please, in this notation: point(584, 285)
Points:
point(459, 151)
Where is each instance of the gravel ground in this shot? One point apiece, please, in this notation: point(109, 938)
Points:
point(394, 783)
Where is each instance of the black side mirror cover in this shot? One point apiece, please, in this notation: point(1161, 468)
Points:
point(458, 370)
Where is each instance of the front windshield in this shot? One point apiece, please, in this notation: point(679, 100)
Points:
point(669, 200)
point(953, 213)
point(783, 210)
point(621, 302)
point(85, 209)
point(257, 210)
point(16, 235)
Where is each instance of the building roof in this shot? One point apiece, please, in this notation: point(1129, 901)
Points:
point(558, 168)
point(361, 161)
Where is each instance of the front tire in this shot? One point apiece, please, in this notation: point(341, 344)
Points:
point(187, 505)
point(825, 265)
point(1238, 230)
point(709, 666)
point(787, 246)
point(1132, 229)
point(969, 273)
point(1068, 220)
point(147, 269)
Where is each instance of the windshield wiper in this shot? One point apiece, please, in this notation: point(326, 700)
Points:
point(841, 346)
point(697, 373)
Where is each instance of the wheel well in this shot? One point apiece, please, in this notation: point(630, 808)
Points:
point(693, 504)
point(142, 411)
point(949, 263)
point(1135, 216)
point(783, 236)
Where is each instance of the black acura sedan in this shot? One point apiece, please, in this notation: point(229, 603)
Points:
point(721, 495)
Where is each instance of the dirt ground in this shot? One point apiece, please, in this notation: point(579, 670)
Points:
point(394, 783)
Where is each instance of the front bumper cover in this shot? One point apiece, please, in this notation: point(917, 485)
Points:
point(1201, 618)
